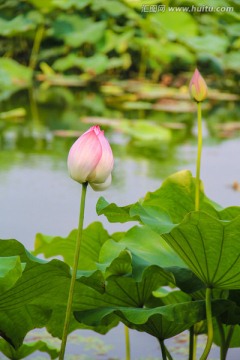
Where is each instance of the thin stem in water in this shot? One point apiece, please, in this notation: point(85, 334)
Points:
point(74, 272)
point(199, 153)
point(127, 343)
point(209, 325)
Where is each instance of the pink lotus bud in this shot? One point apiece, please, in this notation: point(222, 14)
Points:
point(198, 87)
point(90, 159)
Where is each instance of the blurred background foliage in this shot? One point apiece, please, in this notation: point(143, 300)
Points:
point(79, 42)
point(118, 59)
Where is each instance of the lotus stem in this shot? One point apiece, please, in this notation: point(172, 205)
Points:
point(127, 343)
point(74, 273)
point(199, 153)
point(192, 344)
point(228, 340)
point(169, 356)
point(209, 324)
point(163, 349)
point(223, 340)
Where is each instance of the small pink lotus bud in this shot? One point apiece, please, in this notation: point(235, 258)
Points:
point(90, 159)
point(198, 87)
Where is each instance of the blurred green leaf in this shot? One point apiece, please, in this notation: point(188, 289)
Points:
point(95, 64)
point(13, 77)
point(27, 349)
point(117, 9)
point(68, 4)
point(76, 30)
point(231, 61)
point(211, 44)
point(176, 25)
point(19, 24)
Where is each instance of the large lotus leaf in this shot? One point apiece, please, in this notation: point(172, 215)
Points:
point(176, 197)
point(171, 202)
point(144, 243)
point(145, 248)
point(93, 238)
point(16, 322)
point(29, 303)
point(39, 296)
point(13, 247)
point(27, 349)
point(174, 314)
point(10, 271)
point(210, 247)
point(125, 291)
point(55, 324)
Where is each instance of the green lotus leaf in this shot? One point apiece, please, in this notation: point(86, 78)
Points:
point(10, 271)
point(113, 212)
point(174, 314)
point(93, 238)
point(210, 247)
point(168, 204)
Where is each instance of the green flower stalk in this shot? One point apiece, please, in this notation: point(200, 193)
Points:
point(74, 272)
point(198, 92)
point(90, 161)
point(199, 155)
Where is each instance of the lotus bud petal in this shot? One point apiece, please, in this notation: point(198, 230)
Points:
point(198, 87)
point(102, 186)
point(90, 159)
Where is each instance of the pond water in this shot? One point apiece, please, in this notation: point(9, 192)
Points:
point(37, 195)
